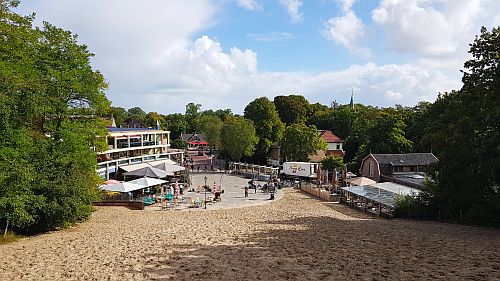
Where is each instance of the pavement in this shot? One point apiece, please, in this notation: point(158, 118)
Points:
point(234, 192)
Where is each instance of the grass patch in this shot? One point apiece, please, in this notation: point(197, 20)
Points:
point(9, 238)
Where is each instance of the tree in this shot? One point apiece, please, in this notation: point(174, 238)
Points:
point(211, 126)
point(51, 103)
point(192, 117)
point(268, 125)
point(179, 144)
point(152, 118)
point(238, 138)
point(463, 130)
point(292, 109)
point(300, 141)
point(136, 113)
point(331, 163)
point(120, 115)
point(318, 116)
point(175, 123)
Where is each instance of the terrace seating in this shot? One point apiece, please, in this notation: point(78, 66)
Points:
point(149, 201)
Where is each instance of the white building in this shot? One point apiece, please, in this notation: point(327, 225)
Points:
point(129, 146)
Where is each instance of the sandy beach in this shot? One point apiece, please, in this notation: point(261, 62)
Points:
point(294, 238)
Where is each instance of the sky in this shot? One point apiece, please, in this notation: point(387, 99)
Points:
point(162, 54)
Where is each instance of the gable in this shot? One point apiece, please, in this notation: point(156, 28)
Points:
point(330, 137)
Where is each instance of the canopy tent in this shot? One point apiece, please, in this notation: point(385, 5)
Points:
point(170, 168)
point(147, 182)
point(150, 172)
point(122, 187)
point(133, 167)
point(361, 181)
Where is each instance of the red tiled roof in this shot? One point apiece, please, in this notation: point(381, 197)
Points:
point(328, 136)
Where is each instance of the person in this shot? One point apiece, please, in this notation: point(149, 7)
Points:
point(271, 191)
point(246, 191)
point(255, 187)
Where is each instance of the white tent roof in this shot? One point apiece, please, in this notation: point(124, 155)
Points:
point(361, 181)
point(146, 182)
point(150, 172)
point(134, 167)
point(122, 187)
point(170, 168)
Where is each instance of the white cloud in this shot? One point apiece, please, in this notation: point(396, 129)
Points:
point(271, 36)
point(203, 72)
point(395, 96)
point(346, 5)
point(147, 54)
point(433, 28)
point(293, 9)
point(251, 5)
point(347, 31)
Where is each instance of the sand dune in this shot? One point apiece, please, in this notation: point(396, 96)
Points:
point(295, 238)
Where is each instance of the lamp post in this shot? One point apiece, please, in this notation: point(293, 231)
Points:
point(205, 191)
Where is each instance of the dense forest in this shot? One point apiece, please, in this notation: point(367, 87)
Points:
point(54, 111)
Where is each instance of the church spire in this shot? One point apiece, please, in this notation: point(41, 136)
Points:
point(351, 104)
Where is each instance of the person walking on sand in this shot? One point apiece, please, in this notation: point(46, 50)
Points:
point(246, 191)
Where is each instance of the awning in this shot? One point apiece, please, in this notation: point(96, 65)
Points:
point(198, 142)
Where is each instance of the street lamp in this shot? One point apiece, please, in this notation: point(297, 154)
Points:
point(205, 191)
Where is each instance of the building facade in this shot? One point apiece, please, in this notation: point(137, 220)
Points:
point(334, 146)
point(129, 146)
point(408, 168)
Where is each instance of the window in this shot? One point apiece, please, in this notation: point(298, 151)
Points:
point(338, 146)
point(372, 168)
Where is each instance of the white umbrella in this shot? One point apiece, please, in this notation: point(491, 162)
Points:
point(122, 187)
point(361, 181)
point(169, 168)
point(150, 172)
point(146, 182)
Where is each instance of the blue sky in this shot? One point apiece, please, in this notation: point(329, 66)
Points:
point(160, 54)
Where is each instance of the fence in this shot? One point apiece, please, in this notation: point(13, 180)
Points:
point(319, 192)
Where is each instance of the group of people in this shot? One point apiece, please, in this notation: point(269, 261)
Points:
point(269, 187)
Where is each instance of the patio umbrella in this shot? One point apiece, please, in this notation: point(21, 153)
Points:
point(170, 168)
point(361, 181)
point(121, 187)
point(149, 172)
point(147, 182)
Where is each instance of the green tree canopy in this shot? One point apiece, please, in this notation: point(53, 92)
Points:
point(332, 162)
point(151, 119)
point(211, 126)
point(238, 138)
point(301, 141)
point(292, 109)
point(51, 103)
point(136, 113)
point(192, 117)
point(120, 115)
point(268, 125)
point(176, 124)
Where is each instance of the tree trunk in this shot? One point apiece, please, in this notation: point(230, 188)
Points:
point(6, 227)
